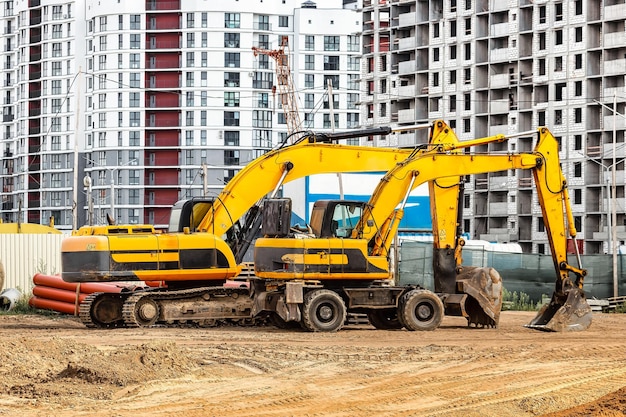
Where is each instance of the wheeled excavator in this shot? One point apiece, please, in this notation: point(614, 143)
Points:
point(344, 267)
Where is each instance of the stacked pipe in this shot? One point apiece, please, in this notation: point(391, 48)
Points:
point(52, 293)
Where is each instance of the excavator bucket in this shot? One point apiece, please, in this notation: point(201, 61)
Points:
point(566, 313)
point(483, 285)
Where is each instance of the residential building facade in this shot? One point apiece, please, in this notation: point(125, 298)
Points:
point(124, 107)
point(488, 67)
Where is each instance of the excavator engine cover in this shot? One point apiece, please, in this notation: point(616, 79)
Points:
point(484, 287)
point(567, 312)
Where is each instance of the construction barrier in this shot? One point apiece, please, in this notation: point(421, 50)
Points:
point(52, 293)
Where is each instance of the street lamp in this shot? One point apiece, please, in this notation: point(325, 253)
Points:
point(613, 186)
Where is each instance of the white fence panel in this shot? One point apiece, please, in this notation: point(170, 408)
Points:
point(24, 255)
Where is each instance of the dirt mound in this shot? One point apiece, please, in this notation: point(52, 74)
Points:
point(36, 369)
point(611, 405)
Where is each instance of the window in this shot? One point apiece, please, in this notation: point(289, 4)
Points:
point(308, 120)
point(231, 20)
point(467, 76)
point(135, 41)
point(558, 91)
point(283, 21)
point(191, 40)
point(309, 81)
point(468, 26)
point(309, 62)
point(331, 63)
point(436, 54)
point(452, 103)
point(435, 79)
point(352, 120)
point(578, 169)
point(56, 49)
point(542, 118)
point(103, 23)
point(57, 32)
point(133, 138)
point(542, 41)
point(452, 51)
point(353, 98)
point(578, 7)
point(327, 102)
point(262, 118)
point(231, 59)
point(262, 23)
point(558, 12)
point(331, 43)
point(56, 86)
point(467, 125)
point(263, 100)
point(354, 63)
point(327, 125)
point(190, 20)
point(453, 77)
point(578, 142)
point(231, 40)
point(231, 99)
point(558, 117)
point(135, 118)
point(578, 115)
point(558, 37)
point(542, 66)
point(578, 61)
point(354, 43)
point(134, 60)
point(134, 99)
point(468, 6)
point(231, 138)
point(353, 82)
point(231, 118)
point(578, 88)
point(135, 22)
point(309, 101)
point(56, 68)
point(578, 34)
point(231, 79)
point(134, 79)
point(558, 63)
point(467, 101)
point(309, 43)
point(436, 30)
point(191, 59)
point(453, 28)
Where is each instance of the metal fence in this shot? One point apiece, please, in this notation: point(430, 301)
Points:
point(532, 274)
point(24, 255)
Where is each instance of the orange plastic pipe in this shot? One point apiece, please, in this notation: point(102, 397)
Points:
point(55, 281)
point(46, 304)
point(57, 294)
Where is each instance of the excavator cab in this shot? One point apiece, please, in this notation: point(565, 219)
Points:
point(188, 214)
point(335, 218)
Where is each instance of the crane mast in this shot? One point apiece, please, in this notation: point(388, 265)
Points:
point(286, 90)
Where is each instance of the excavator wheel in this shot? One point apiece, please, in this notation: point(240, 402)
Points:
point(323, 311)
point(420, 310)
point(386, 319)
point(102, 310)
point(140, 310)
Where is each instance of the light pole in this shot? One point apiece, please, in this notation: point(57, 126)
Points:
point(613, 187)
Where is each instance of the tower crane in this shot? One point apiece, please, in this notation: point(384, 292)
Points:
point(286, 90)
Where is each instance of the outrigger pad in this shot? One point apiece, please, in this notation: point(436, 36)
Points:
point(574, 314)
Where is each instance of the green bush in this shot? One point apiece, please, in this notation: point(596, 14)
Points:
point(518, 301)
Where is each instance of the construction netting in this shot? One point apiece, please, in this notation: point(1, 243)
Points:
point(533, 274)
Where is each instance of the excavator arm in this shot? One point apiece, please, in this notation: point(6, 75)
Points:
point(568, 309)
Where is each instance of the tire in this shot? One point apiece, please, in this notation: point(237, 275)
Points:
point(386, 319)
point(420, 310)
point(323, 311)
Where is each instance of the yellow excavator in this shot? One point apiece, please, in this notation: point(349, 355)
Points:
point(207, 237)
point(345, 265)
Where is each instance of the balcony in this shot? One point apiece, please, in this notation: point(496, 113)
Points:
point(406, 116)
point(499, 81)
point(613, 40)
point(615, 67)
point(406, 43)
point(406, 67)
point(620, 123)
point(406, 91)
point(407, 19)
point(500, 29)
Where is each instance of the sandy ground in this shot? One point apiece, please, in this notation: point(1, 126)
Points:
point(53, 366)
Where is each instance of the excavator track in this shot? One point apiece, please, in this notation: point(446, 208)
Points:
point(102, 310)
point(205, 306)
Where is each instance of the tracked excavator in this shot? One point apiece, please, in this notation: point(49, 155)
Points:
point(206, 240)
point(344, 266)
